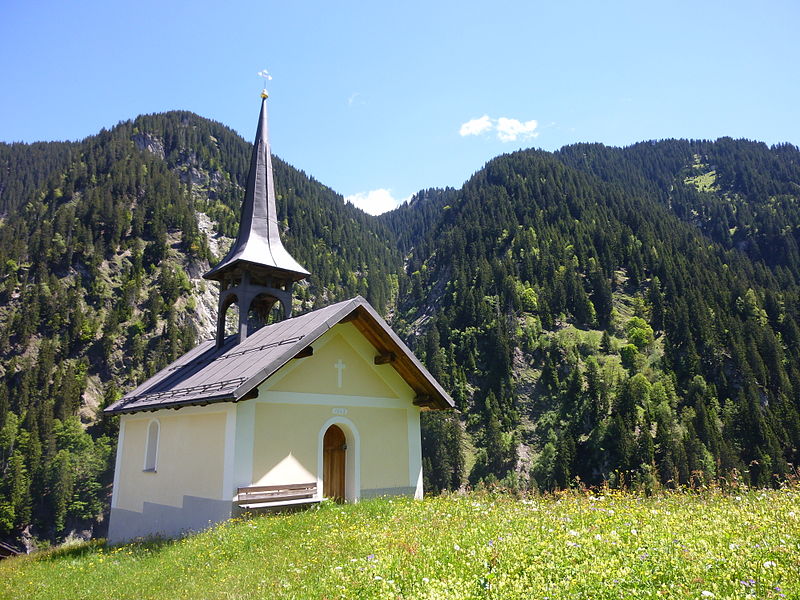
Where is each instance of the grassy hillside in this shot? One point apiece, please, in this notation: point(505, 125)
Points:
point(678, 545)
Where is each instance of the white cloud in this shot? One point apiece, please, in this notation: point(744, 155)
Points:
point(507, 129)
point(476, 126)
point(375, 202)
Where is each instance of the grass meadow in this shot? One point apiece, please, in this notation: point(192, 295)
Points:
point(576, 545)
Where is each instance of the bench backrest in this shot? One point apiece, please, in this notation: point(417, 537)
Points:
point(276, 493)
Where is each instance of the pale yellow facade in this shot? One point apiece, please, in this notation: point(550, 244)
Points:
point(205, 453)
point(341, 385)
point(287, 446)
point(190, 453)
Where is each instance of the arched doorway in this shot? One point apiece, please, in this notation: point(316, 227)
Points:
point(334, 459)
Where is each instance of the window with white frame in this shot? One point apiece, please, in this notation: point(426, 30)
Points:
point(151, 449)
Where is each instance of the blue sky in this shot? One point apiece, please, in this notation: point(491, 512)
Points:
point(379, 100)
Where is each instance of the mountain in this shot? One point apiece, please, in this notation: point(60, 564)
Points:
point(609, 313)
point(100, 287)
point(604, 314)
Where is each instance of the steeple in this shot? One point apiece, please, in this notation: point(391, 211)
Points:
point(257, 272)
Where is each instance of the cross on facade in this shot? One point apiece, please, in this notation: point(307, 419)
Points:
point(339, 366)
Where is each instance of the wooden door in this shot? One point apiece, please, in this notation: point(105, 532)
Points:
point(334, 448)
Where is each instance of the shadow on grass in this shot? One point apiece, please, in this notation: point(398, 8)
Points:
point(98, 546)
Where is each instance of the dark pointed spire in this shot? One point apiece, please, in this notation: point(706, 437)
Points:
point(258, 242)
point(257, 272)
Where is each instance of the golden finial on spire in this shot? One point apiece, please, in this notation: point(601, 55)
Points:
point(265, 74)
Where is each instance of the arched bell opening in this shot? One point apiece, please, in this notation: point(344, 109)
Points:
point(265, 309)
point(227, 321)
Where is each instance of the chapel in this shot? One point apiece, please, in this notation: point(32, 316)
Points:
point(286, 410)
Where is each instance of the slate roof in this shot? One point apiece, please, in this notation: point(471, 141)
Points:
point(209, 374)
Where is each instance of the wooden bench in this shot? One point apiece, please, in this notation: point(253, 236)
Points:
point(263, 496)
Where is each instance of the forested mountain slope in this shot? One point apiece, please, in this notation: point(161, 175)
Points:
point(592, 317)
point(24, 168)
point(741, 194)
point(598, 313)
point(100, 287)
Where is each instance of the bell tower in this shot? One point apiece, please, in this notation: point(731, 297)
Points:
point(257, 273)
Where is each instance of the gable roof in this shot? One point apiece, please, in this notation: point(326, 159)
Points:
point(231, 373)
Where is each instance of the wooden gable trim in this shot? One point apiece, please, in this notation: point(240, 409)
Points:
point(402, 363)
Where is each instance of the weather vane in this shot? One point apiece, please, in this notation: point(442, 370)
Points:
point(267, 77)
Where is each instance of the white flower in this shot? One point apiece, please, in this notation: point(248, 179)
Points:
point(456, 547)
point(425, 580)
point(770, 563)
point(573, 533)
point(706, 594)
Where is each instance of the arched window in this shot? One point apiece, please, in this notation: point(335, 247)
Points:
point(151, 449)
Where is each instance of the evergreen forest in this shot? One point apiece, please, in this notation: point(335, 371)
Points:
point(620, 316)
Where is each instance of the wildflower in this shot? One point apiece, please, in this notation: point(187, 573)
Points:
point(371, 557)
point(425, 580)
point(770, 563)
point(456, 547)
point(707, 594)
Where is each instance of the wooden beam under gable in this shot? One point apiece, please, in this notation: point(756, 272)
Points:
point(385, 358)
point(424, 401)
